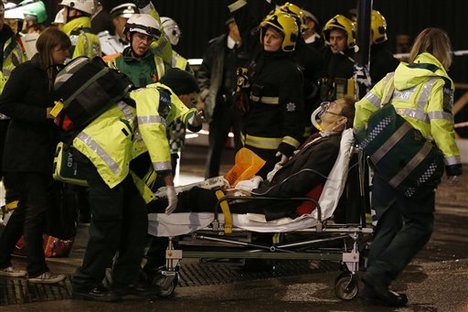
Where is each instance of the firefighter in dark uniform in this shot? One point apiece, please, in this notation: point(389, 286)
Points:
point(338, 69)
point(272, 95)
point(382, 61)
point(310, 62)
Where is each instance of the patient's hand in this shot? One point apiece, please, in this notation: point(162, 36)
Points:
point(237, 192)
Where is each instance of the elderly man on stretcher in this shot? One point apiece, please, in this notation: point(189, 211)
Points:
point(304, 174)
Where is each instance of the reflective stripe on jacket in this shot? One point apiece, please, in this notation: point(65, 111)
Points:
point(423, 96)
point(122, 133)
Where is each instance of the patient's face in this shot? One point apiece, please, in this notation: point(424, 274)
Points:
point(332, 114)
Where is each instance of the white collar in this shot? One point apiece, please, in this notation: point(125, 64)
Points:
point(312, 38)
point(231, 43)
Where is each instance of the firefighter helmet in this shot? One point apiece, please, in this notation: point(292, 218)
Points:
point(86, 6)
point(378, 27)
point(171, 29)
point(143, 24)
point(343, 23)
point(286, 25)
point(295, 11)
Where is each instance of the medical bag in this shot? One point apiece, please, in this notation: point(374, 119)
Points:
point(86, 88)
point(65, 168)
point(400, 153)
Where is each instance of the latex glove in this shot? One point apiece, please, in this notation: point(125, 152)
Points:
point(283, 158)
point(171, 199)
point(196, 119)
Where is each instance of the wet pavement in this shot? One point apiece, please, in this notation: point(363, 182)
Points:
point(437, 280)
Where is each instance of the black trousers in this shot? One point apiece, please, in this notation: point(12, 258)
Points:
point(225, 118)
point(10, 194)
point(404, 227)
point(118, 228)
point(28, 219)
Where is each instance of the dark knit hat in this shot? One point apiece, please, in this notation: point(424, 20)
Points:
point(180, 81)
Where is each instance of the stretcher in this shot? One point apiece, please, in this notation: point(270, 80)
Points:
point(226, 235)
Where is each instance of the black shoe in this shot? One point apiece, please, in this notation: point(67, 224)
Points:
point(375, 292)
point(98, 293)
point(140, 290)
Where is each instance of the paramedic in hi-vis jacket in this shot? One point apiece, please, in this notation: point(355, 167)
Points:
point(423, 96)
point(119, 152)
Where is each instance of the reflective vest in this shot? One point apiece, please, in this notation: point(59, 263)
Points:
point(123, 133)
point(423, 96)
point(84, 43)
point(13, 55)
point(178, 61)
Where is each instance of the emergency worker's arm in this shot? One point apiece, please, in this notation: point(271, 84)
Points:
point(87, 45)
point(369, 103)
point(152, 127)
point(291, 101)
point(439, 111)
point(247, 24)
point(11, 99)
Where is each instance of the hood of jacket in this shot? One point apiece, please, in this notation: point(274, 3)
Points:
point(77, 23)
point(425, 66)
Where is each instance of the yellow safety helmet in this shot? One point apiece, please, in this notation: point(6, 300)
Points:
point(285, 24)
point(378, 27)
point(295, 11)
point(343, 23)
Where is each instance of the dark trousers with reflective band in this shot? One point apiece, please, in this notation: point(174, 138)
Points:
point(118, 228)
point(28, 219)
point(404, 227)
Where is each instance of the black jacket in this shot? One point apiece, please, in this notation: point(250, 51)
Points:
point(293, 181)
point(31, 137)
point(210, 75)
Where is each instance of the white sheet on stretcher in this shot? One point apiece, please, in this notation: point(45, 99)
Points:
point(187, 222)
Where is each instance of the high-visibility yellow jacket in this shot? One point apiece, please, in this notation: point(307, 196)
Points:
point(84, 42)
point(13, 55)
point(423, 96)
point(178, 61)
point(124, 132)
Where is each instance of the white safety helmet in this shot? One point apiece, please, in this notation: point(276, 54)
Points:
point(143, 24)
point(59, 19)
point(125, 10)
point(171, 29)
point(86, 6)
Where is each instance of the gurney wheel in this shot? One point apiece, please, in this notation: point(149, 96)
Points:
point(346, 286)
point(166, 284)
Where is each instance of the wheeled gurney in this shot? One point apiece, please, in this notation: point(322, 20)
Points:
point(222, 234)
